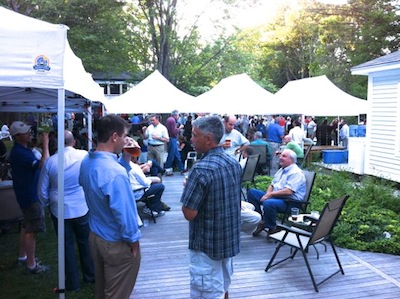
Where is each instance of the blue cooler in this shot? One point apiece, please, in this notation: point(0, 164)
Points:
point(335, 156)
point(353, 130)
point(362, 131)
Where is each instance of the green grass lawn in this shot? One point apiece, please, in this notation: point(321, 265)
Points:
point(16, 283)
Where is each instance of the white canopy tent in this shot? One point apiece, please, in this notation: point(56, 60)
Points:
point(154, 94)
point(38, 69)
point(316, 96)
point(237, 94)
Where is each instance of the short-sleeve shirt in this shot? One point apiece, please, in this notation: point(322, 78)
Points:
point(237, 140)
point(159, 130)
point(296, 148)
point(213, 190)
point(291, 177)
point(25, 171)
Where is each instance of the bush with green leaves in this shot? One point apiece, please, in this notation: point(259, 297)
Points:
point(370, 220)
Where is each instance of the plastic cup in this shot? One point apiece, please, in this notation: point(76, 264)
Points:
point(145, 222)
point(295, 213)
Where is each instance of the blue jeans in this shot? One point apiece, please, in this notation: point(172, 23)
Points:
point(76, 229)
point(271, 207)
point(154, 203)
point(173, 155)
point(155, 168)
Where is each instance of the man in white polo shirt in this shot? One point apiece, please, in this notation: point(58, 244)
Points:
point(157, 137)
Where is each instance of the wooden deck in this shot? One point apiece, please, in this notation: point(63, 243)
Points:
point(164, 269)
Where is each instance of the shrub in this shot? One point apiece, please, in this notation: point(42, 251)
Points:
point(370, 220)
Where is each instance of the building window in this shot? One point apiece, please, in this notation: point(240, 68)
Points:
point(115, 88)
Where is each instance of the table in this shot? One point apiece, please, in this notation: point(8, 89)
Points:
point(320, 148)
point(305, 225)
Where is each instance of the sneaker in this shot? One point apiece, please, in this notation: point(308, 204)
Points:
point(38, 269)
point(22, 263)
point(165, 207)
point(159, 214)
point(146, 211)
point(184, 171)
point(168, 172)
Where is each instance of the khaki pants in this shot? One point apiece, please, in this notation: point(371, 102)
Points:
point(156, 153)
point(115, 268)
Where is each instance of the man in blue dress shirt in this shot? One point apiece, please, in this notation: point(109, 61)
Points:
point(113, 221)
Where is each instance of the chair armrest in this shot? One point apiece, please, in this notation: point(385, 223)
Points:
point(294, 230)
point(310, 218)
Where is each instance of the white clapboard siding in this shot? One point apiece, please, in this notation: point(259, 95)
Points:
point(382, 156)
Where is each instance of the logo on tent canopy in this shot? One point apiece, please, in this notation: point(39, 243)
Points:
point(42, 63)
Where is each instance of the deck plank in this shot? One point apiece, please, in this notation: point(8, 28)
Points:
point(165, 258)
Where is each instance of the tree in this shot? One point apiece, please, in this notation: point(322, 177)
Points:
point(315, 39)
point(97, 34)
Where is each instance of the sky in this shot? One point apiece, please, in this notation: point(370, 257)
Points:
point(211, 13)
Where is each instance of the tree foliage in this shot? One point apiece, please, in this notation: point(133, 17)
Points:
point(303, 40)
point(315, 39)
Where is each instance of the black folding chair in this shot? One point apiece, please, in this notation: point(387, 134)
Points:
point(301, 240)
point(249, 172)
point(302, 162)
point(264, 163)
point(145, 199)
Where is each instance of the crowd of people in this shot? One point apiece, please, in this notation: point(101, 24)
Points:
point(102, 187)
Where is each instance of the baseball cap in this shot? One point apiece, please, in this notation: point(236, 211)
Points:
point(18, 127)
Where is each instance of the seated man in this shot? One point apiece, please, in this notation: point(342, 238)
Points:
point(247, 151)
point(289, 183)
point(250, 219)
point(289, 144)
point(143, 186)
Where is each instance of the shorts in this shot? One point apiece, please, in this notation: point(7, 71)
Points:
point(34, 221)
point(209, 279)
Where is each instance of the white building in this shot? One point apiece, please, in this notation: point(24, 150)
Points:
point(382, 146)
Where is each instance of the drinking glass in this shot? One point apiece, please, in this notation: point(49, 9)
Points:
point(295, 213)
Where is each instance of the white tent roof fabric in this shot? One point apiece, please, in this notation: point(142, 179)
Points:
point(316, 96)
point(36, 66)
point(36, 60)
point(155, 94)
point(237, 94)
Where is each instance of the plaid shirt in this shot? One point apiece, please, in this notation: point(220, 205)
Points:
point(213, 190)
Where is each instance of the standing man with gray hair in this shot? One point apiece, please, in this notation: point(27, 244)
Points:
point(211, 204)
point(174, 156)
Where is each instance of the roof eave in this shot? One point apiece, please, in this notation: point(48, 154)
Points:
point(375, 68)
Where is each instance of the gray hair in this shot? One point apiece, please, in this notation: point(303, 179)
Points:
point(175, 112)
point(210, 125)
point(292, 154)
point(258, 134)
